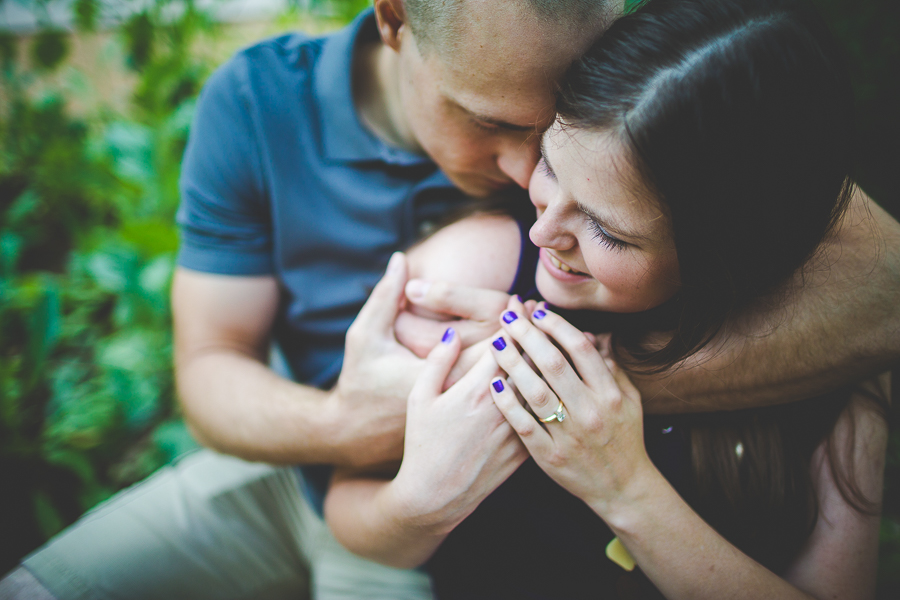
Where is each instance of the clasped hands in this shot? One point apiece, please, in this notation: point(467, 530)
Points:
point(464, 432)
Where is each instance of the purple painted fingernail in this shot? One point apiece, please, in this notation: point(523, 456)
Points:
point(448, 335)
point(498, 386)
point(509, 316)
point(499, 343)
point(538, 314)
point(518, 297)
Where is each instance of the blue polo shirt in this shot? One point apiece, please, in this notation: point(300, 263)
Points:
point(281, 178)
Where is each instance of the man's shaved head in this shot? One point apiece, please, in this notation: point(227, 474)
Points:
point(439, 25)
point(476, 79)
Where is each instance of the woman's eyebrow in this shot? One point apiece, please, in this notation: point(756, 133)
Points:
point(612, 226)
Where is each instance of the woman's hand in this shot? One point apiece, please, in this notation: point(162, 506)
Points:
point(597, 451)
point(458, 449)
point(458, 446)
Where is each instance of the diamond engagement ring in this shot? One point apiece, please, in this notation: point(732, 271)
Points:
point(558, 415)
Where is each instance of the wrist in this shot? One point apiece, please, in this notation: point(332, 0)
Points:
point(359, 434)
point(333, 426)
point(414, 502)
point(627, 508)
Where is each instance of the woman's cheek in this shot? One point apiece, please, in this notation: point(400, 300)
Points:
point(625, 282)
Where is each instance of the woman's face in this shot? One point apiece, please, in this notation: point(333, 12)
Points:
point(604, 244)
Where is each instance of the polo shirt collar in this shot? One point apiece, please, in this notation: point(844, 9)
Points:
point(344, 138)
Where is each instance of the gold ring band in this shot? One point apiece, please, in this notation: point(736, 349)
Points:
point(558, 415)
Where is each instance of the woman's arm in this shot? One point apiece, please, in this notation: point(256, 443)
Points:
point(602, 436)
point(458, 447)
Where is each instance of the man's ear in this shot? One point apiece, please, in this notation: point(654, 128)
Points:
point(391, 16)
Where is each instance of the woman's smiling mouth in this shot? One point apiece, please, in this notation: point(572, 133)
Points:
point(559, 268)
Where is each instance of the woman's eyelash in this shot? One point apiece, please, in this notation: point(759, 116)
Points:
point(544, 166)
point(605, 238)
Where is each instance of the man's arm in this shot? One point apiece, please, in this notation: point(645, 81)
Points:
point(235, 404)
point(840, 324)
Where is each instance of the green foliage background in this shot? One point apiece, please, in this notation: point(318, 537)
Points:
point(87, 245)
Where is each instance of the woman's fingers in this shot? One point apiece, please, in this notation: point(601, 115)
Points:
point(537, 393)
point(430, 382)
point(594, 371)
point(622, 379)
point(535, 438)
point(548, 359)
point(476, 308)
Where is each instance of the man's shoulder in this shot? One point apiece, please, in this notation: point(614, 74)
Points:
point(294, 49)
point(290, 55)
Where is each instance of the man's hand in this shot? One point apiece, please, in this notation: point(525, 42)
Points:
point(367, 407)
point(474, 312)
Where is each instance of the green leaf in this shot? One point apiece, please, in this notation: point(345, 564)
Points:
point(174, 439)
point(28, 204)
point(141, 401)
point(44, 327)
point(128, 351)
point(84, 417)
point(49, 48)
point(8, 48)
point(10, 248)
point(151, 237)
point(155, 277)
point(109, 271)
point(139, 37)
point(131, 145)
point(86, 12)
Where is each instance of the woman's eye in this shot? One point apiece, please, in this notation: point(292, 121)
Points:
point(544, 166)
point(605, 239)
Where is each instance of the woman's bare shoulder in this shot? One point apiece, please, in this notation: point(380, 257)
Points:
point(841, 555)
point(481, 250)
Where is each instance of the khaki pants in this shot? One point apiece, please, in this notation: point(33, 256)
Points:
point(216, 527)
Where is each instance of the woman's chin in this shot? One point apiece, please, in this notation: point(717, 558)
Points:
point(567, 303)
point(565, 296)
point(585, 296)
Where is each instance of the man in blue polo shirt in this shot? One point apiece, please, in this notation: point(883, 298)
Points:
point(310, 162)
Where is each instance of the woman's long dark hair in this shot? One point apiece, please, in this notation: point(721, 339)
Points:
point(737, 115)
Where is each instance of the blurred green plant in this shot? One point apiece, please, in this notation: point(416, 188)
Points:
point(87, 244)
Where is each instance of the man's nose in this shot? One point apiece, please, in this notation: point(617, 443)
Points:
point(518, 159)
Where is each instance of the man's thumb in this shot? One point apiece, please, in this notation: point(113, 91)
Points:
point(380, 310)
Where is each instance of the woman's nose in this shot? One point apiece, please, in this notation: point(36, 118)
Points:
point(550, 231)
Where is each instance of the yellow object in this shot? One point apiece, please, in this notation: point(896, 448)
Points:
point(619, 554)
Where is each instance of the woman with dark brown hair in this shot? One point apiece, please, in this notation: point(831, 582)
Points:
point(700, 156)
